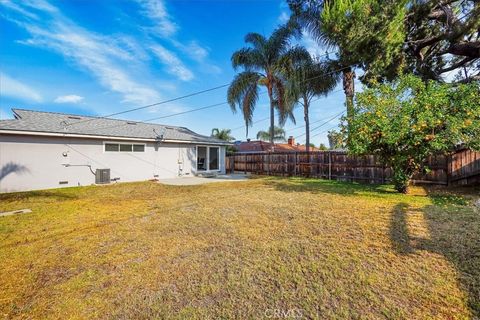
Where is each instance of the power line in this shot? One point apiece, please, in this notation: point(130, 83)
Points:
point(166, 116)
point(242, 126)
point(151, 105)
point(324, 131)
point(170, 100)
point(193, 110)
point(324, 123)
point(316, 121)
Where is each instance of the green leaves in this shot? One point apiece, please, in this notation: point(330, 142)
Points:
point(406, 121)
point(262, 64)
point(243, 91)
point(278, 134)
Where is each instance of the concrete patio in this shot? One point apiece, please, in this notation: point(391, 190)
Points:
point(193, 180)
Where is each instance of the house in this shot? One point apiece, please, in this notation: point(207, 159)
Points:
point(259, 146)
point(41, 150)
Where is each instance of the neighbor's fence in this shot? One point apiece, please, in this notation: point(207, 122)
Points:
point(464, 168)
point(461, 168)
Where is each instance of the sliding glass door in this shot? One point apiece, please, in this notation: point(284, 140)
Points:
point(213, 158)
point(208, 158)
point(202, 163)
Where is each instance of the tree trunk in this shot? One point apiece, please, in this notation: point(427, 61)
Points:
point(272, 115)
point(402, 176)
point(349, 89)
point(307, 124)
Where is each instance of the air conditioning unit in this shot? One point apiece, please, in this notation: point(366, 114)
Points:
point(102, 176)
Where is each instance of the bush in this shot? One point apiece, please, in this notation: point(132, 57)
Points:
point(407, 120)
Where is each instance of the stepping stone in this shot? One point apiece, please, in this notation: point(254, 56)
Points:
point(11, 213)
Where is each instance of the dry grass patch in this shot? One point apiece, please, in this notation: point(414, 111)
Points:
point(240, 250)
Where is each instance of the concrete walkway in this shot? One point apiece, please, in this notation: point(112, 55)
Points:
point(190, 181)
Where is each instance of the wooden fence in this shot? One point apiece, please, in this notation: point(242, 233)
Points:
point(461, 168)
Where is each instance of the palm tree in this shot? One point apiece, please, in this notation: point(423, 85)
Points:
point(278, 134)
point(222, 134)
point(262, 62)
point(308, 77)
point(308, 16)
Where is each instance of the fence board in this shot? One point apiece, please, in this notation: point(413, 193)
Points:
point(461, 168)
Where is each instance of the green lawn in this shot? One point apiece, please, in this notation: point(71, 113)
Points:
point(262, 248)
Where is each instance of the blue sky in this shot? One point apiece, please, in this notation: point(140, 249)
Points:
point(101, 57)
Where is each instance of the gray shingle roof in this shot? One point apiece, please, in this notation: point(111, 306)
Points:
point(51, 122)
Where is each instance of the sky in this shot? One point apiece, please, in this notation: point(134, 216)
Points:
point(102, 57)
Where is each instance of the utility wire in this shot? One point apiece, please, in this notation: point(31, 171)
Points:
point(324, 123)
point(167, 101)
point(316, 121)
point(241, 127)
point(150, 105)
point(192, 110)
point(324, 131)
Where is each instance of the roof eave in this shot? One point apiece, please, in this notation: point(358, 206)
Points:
point(88, 136)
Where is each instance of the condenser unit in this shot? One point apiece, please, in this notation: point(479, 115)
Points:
point(102, 176)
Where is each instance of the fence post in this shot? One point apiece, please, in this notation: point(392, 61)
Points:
point(295, 165)
point(449, 168)
point(330, 165)
point(268, 162)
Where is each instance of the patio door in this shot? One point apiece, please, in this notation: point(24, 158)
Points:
point(208, 158)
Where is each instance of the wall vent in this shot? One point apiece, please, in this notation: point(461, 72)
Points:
point(102, 176)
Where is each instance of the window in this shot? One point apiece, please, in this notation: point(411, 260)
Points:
point(208, 158)
point(124, 147)
point(111, 147)
point(138, 148)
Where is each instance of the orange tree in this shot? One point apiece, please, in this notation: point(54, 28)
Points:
point(407, 120)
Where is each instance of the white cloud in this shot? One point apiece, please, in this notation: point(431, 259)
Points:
point(156, 11)
point(163, 26)
point(10, 87)
point(15, 7)
point(173, 63)
point(71, 98)
point(199, 54)
point(193, 50)
point(101, 56)
point(284, 17)
point(311, 45)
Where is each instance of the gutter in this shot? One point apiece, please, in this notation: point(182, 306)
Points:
point(113, 138)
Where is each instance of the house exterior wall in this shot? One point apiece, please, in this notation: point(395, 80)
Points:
point(36, 162)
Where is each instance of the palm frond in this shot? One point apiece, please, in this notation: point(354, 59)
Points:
point(278, 134)
point(257, 40)
point(278, 42)
point(284, 105)
point(222, 134)
point(248, 58)
point(243, 93)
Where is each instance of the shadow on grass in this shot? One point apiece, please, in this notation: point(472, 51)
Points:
point(454, 232)
point(58, 194)
point(314, 185)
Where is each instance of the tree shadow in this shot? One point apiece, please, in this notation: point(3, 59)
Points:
point(314, 185)
point(56, 194)
point(11, 167)
point(454, 233)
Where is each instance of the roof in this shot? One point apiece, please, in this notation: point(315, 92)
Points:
point(37, 122)
point(262, 146)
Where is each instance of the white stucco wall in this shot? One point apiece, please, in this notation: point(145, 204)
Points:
point(35, 162)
